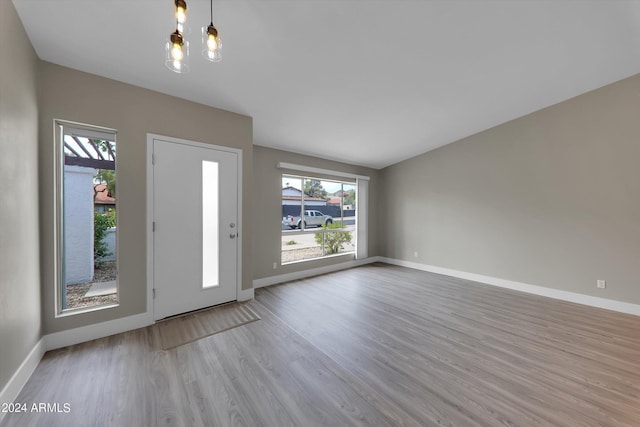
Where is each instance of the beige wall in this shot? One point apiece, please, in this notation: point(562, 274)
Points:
point(20, 321)
point(80, 97)
point(267, 218)
point(550, 199)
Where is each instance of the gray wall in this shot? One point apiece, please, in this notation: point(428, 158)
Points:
point(20, 321)
point(550, 199)
point(267, 191)
point(80, 97)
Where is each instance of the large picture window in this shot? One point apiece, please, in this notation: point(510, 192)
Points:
point(86, 218)
point(318, 218)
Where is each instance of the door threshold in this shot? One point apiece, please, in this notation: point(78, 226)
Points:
point(176, 316)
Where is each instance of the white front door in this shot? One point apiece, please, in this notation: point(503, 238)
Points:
point(195, 215)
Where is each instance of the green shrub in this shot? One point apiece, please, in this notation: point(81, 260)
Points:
point(102, 222)
point(333, 241)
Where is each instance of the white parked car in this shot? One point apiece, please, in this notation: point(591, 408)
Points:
point(311, 219)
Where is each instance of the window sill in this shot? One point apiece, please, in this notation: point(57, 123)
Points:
point(74, 311)
point(319, 258)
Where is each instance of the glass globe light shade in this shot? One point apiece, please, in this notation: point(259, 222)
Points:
point(211, 44)
point(177, 53)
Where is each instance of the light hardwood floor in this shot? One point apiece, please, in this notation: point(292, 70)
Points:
point(376, 345)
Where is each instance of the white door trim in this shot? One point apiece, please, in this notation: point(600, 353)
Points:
point(150, 203)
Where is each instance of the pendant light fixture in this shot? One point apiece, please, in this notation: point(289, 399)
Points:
point(177, 48)
point(211, 42)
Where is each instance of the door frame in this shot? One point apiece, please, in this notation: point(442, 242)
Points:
point(150, 204)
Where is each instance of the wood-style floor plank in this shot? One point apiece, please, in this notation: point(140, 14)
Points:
point(507, 357)
point(376, 345)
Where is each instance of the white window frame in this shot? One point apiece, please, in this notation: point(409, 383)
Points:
point(61, 128)
point(362, 198)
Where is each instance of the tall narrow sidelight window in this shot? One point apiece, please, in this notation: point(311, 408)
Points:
point(210, 219)
point(86, 218)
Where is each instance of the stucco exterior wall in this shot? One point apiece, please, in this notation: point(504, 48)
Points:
point(78, 224)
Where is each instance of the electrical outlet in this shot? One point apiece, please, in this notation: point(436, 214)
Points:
point(275, 265)
point(601, 284)
point(415, 254)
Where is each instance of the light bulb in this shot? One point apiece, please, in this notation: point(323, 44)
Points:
point(212, 43)
point(176, 52)
point(181, 15)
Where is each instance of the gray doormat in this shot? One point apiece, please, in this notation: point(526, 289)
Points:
point(191, 327)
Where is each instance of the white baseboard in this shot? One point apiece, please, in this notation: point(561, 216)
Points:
point(622, 307)
point(11, 390)
point(268, 281)
point(245, 295)
point(97, 330)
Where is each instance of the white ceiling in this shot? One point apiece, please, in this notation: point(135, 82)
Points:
point(362, 81)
